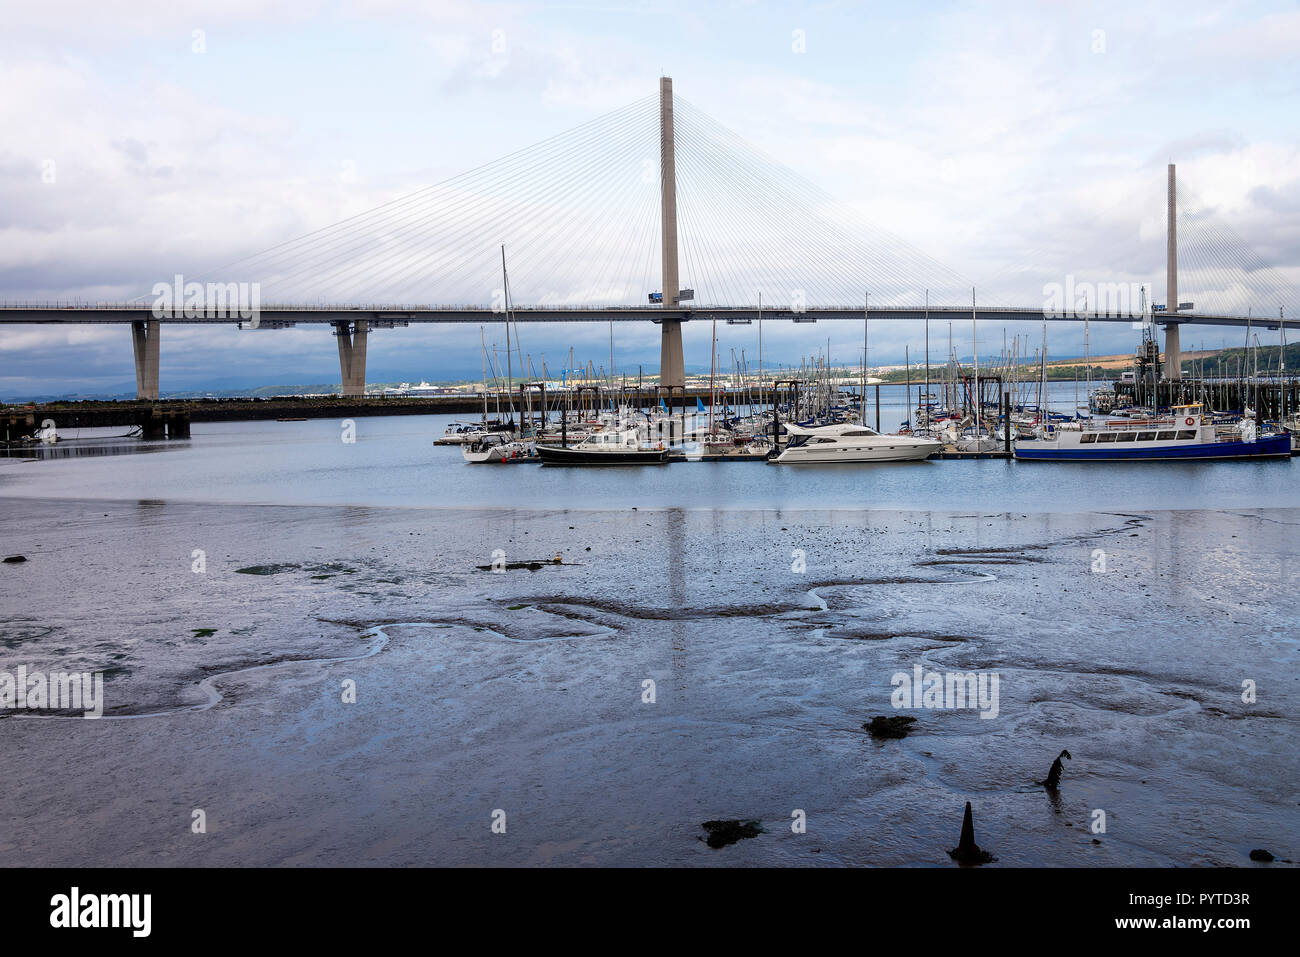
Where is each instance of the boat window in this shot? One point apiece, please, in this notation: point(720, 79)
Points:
point(1087, 437)
point(1146, 437)
point(1166, 436)
point(1187, 434)
point(1126, 437)
point(1106, 437)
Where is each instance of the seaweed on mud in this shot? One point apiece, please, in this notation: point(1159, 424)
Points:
point(973, 559)
point(891, 635)
point(669, 614)
point(723, 833)
point(991, 550)
point(884, 727)
point(265, 569)
point(322, 570)
point(13, 641)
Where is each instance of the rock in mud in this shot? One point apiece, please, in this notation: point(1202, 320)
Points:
point(895, 726)
point(722, 833)
point(15, 559)
point(1259, 854)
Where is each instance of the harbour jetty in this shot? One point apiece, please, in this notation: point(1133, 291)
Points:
point(93, 413)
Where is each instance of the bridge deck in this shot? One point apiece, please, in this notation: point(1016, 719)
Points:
point(379, 315)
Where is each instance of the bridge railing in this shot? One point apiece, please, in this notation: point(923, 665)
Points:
point(137, 305)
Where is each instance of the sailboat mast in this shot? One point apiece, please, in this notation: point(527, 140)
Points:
point(866, 319)
point(974, 338)
point(1087, 368)
point(505, 292)
point(713, 366)
point(926, 403)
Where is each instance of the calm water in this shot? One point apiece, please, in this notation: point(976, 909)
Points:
point(392, 462)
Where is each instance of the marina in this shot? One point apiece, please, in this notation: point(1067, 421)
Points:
point(374, 379)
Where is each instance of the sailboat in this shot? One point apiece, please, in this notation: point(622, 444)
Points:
point(613, 447)
point(497, 448)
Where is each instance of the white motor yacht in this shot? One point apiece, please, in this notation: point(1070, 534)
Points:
point(852, 443)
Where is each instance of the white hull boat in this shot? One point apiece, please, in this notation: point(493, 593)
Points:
point(852, 443)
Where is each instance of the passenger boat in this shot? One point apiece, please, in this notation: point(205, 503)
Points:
point(1186, 433)
point(1291, 426)
point(852, 443)
point(615, 447)
point(496, 448)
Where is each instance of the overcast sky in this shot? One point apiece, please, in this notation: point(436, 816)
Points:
point(145, 139)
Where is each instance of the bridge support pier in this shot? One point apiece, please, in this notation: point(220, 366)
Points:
point(352, 356)
point(145, 343)
point(1173, 352)
point(672, 367)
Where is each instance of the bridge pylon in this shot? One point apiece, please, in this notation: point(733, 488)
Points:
point(672, 369)
point(1173, 350)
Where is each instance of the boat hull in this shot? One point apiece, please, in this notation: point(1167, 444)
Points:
point(556, 455)
point(886, 453)
point(1273, 446)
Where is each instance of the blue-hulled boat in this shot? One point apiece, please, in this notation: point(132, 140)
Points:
point(1185, 434)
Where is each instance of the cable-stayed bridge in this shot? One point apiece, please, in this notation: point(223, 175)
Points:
point(655, 212)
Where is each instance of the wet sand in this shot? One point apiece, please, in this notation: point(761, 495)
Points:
point(523, 691)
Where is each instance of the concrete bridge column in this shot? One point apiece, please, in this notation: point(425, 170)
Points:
point(352, 356)
point(145, 342)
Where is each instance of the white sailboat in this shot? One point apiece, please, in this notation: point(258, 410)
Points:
point(497, 448)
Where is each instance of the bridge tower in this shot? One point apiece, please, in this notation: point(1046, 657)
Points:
point(672, 369)
point(1173, 352)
